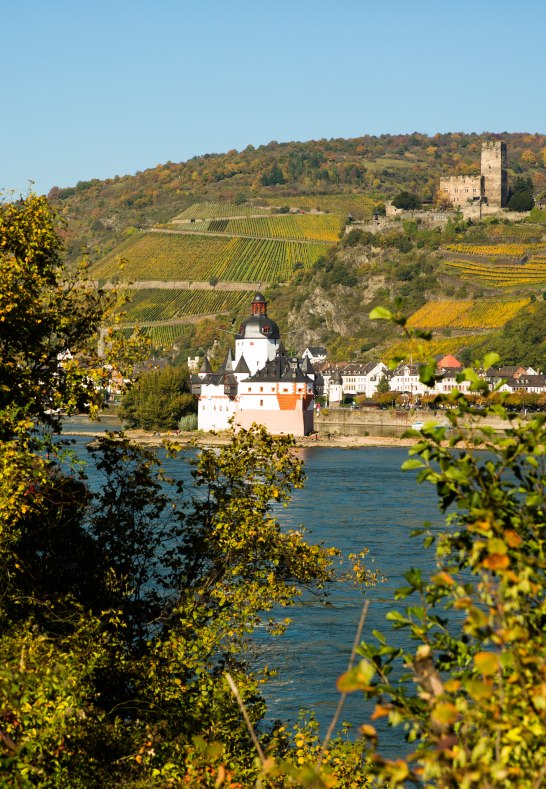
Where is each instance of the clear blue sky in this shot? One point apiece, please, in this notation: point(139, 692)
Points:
point(109, 87)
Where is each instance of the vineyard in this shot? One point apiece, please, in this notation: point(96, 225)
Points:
point(502, 276)
point(307, 227)
point(510, 231)
point(219, 210)
point(496, 250)
point(421, 351)
point(151, 305)
point(359, 205)
point(482, 314)
point(185, 257)
point(164, 336)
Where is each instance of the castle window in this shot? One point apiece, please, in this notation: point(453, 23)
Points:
point(261, 388)
point(261, 402)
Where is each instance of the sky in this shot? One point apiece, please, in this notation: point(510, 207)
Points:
point(111, 87)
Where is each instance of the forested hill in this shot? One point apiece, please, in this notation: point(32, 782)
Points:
point(100, 213)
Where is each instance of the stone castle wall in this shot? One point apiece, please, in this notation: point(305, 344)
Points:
point(462, 188)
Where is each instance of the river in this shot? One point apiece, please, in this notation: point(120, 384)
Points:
point(354, 499)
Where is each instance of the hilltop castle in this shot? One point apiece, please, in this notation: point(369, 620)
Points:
point(489, 188)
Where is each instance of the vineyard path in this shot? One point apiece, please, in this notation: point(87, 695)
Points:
point(235, 235)
point(187, 319)
point(160, 284)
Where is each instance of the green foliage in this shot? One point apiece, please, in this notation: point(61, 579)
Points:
point(478, 716)
point(521, 195)
point(122, 609)
point(158, 399)
point(188, 422)
point(383, 386)
point(406, 200)
point(123, 606)
point(471, 695)
point(46, 318)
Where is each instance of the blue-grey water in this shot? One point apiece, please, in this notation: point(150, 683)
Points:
point(353, 499)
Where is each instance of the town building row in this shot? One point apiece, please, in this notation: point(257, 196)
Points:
point(259, 382)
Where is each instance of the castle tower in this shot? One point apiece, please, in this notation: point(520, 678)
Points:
point(258, 337)
point(493, 170)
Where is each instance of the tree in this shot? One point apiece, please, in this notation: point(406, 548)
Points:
point(158, 400)
point(383, 385)
point(47, 318)
point(521, 195)
point(406, 200)
point(122, 607)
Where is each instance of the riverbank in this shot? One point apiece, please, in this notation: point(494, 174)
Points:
point(184, 439)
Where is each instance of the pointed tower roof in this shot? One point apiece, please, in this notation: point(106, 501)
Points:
point(307, 367)
point(205, 367)
point(228, 364)
point(242, 366)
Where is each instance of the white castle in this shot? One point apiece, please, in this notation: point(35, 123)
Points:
point(260, 384)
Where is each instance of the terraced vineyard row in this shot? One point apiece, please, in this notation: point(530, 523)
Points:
point(359, 205)
point(496, 250)
point(164, 336)
point(213, 210)
point(482, 314)
point(420, 351)
point(511, 231)
point(157, 256)
point(313, 227)
point(500, 276)
point(151, 305)
point(319, 227)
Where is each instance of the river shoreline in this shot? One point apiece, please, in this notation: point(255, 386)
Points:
point(184, 439)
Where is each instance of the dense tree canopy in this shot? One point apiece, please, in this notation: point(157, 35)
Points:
point(158, 399)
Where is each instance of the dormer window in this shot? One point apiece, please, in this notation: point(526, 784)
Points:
point(266, 329)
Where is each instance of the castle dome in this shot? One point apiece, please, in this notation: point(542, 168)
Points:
point(259, 325)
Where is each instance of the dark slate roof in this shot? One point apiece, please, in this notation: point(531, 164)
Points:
point(242, 366)
point(205, 367)
point(281, 368)
point(528, 380)
point(258, 326)
point(258, 297)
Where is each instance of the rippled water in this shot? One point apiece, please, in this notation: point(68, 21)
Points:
point(354, 499)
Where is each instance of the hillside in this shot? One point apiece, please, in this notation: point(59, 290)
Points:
point(217, 227)
point(336, 175)
point(465, 282)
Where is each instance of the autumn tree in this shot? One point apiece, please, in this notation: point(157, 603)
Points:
point(124, 603)
point(468, 682)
